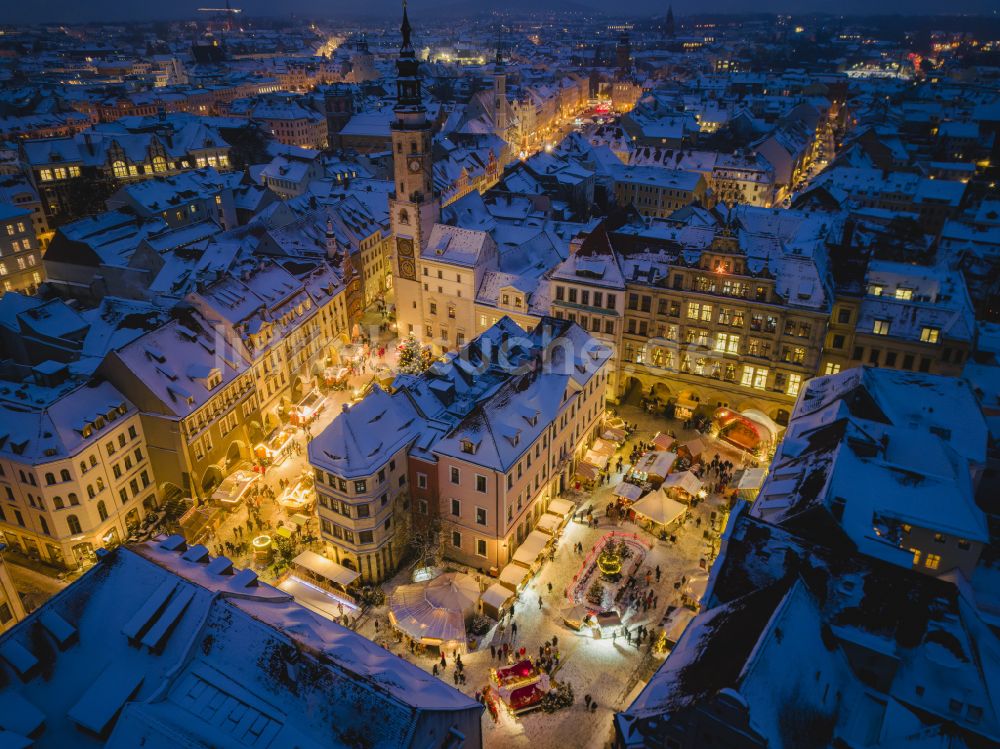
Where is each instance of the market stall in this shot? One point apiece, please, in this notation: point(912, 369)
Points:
point(514, 577)
point(628, 492)
point(325, 573)
point(496, 600)
point(663, 441)
point(272, 449)
point(693, 449)
point(528, 554)
point(749, 430)
point(683, 485)
point(307, 408)
point(296, 497)
point(684, 407)
point(549, 523)
point(660, 511)
point(614, 436)
point(693, 590)
point(561, 507)
point(586, 473)
point(235, 486)
point(603, 447)
point(675, 625)
point(596, 459)
point(434, 613)
point(520, 686)
point(748, 483)
point(654, 467)
point(336, 377)
point(576, 616)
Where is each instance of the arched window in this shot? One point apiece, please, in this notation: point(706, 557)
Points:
point(73, 499)
point(58, 502)
point(83, 466)
point(93, 461)
point(50, 478)
point(404, 216)
point(100, 484)
point(159, 164)
point(90, 491)
point(64, 474)
point(102, 510)
point(74, 524)
point(120, 168)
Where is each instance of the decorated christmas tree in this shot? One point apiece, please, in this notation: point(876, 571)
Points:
point(411, 357)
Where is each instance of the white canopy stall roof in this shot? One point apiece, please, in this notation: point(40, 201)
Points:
point(435, 612)
point(663, 441)
point(659, 508)
point(561, 507)
point(656, 463)
point(548, 523)
point(696, 447)
point(750, 482)
point(325, 568)
point(684, 480)
point(529, 551)
point(513, 576)
point(496, 596)
point(628, 491)
point(603, 447)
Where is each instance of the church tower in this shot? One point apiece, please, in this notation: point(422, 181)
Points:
point(623, 55)
point(669, 26)
point(414, 207)
point(500, 108)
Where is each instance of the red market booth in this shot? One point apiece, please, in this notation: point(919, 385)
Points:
point(749, 430)
point(520, 686)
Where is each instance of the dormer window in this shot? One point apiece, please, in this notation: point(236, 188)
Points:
point(470, 447)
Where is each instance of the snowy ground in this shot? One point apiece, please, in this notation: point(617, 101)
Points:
point(611, 671)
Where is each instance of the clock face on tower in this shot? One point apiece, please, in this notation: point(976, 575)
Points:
point(407, 269)
point(405, 246)
point(415, 165)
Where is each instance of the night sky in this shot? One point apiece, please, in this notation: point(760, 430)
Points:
point(120, 10)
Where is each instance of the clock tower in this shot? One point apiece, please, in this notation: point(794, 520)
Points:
point(413, 204)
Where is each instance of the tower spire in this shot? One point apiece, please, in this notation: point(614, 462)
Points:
point(407, 67)
point(405, 30)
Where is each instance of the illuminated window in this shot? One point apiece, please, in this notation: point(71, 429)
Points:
point(932, 561)
point(881, 327)
point(929, 335)
point(755, 377)
point(794, 383)
point(902, 293)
